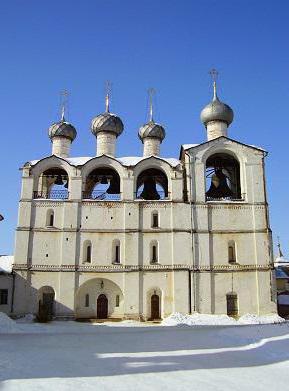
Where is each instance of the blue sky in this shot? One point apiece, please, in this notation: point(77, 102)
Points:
point(48, 46)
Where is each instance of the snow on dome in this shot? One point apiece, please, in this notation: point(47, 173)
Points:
point(6, 262)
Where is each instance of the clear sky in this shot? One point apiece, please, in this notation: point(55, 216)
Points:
point(48, 46)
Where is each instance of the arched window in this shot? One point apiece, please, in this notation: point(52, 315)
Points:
point(154, 252)
point(152, 184)
point(50, 218)
point(232, 304)
point(117, 301)
point(155, 220)
point(222, 178)
point(53, 184)
point(232, 252)
point(87, 300)
point(87, 251)
point(116, 251)
point(102, 184)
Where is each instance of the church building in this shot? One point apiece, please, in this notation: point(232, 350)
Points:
point(143, 237)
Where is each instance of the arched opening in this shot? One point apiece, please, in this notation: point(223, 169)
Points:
point(53, 184)
point(154, 252)
point(152, 184)
point(50, 218)
point(222, 178)
point(232, 304)
point(87, 251)
point(102, 307)
point(232, 252)
point(102, 184)
point(90, 291)
point(116, 251)
point(155, 307)
point(46, 303)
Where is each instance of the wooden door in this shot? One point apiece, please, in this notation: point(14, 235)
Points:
point(155, 307)
point(48, 303)
point(102, 307)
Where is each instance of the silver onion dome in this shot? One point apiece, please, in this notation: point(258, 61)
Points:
point(217, 111)
point(107, 122)
point(62, 129)
point(153, 130)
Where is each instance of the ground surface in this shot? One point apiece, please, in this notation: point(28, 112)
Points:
point(70, 355)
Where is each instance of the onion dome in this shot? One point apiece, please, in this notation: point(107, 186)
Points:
point(62, 129)
point(217, 111)
point(152, 130)
point(107, 122)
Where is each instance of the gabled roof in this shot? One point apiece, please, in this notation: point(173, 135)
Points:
point(186, 147)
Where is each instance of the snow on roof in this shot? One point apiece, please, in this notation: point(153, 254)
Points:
point(279, 261)
point(6, 262)
point(125, 161)
point(188, 146)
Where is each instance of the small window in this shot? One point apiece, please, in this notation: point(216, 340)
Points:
point(3, 296)
point(117, 254)
point(117, 301)
point(232, 252)
point(86, 300)
point(232, 304)
point(88, 253)
point(50, 218)
point(155, 222)
point(154, 257)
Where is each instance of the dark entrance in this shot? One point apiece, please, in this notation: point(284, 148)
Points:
point(155, 307)
point(102, 307)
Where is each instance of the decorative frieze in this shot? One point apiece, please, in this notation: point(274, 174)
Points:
point(136, 268)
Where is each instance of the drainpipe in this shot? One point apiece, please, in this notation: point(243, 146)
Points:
point(191, 280)
point(13, 290)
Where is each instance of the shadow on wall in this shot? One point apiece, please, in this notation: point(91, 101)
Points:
point(110, 351)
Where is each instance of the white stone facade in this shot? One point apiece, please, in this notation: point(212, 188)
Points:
point(182, 263)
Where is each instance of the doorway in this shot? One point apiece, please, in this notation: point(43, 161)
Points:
point(155, 307)
point(102, 307)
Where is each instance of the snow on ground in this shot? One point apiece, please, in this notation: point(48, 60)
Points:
point(219, 320)
point(129, 355)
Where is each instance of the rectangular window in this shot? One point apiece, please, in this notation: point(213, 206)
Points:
point(88, 254)
point(154, 254)
point(155, 220)
point(86, 300)
point(117, 301)
point(3, 296)
point(117, 258)
point(231, 254)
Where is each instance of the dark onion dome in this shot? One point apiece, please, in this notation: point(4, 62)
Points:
point(107, 122)
point(217, 111)
point(62, 129)
point(153, 130)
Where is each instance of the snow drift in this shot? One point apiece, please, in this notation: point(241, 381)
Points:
point(219, 320)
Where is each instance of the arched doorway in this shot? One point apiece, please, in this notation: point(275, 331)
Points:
point(155, 307)
point(46, 302)
point(102, 307)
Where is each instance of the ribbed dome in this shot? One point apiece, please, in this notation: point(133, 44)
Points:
point(152, 129)
point(107, 122)
point(217, 111)
point(62, 129)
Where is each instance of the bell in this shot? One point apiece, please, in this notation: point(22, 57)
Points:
point(103, 180)
point(149, 190)
point(58, 180)
point(219, 187)
point(113, 187)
